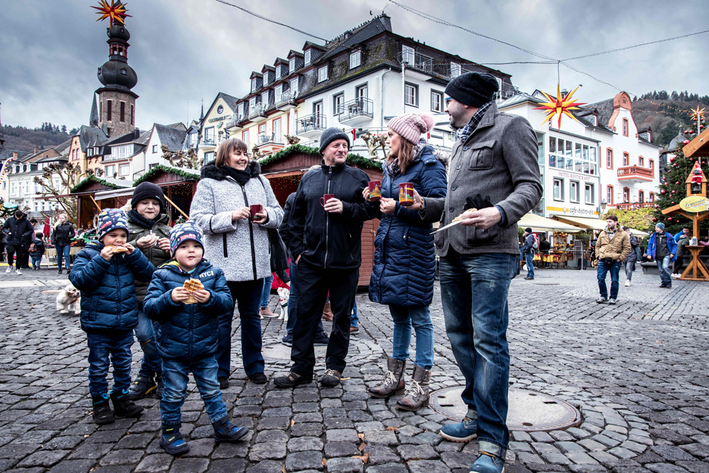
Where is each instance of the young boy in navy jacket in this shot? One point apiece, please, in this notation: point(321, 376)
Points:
point(187, 335)
point(105, 273)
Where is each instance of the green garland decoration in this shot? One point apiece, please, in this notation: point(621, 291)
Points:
point(352, 158)
point(91, 179)
point(162, 168)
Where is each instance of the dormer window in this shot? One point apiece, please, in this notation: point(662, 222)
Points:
point(355, 59)
point(252, 103)
point(278, 93)
point(291, 64)
point(264, 99)
point(322, 74)
point(254, 84)
point(294, 87)
point(278, 72)
point(308, 56)
point(455, 70)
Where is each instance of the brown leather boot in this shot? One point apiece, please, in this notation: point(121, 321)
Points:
point(327, 312)
point(393, 380)
point(417, 393)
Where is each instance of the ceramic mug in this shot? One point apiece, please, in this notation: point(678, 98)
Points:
point(325, 198)
point(406, 194)
point(256, 208)
point(375, 190)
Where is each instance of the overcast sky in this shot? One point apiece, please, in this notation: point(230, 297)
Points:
point(188, 50)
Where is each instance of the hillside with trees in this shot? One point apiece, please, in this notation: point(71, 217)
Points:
point(19, 138)
point(665, 112)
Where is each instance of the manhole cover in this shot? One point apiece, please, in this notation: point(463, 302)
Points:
point(527, 411)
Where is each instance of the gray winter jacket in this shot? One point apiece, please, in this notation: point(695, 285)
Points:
point(239, 248)
point(499, 160)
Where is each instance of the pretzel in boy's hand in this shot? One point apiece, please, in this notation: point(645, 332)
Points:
point(193, 285)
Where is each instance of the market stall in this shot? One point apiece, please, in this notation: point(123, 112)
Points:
point(178, 185)
point(558, 254)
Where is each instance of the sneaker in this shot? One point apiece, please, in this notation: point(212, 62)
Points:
point(461, 432)
point(331, 378)
point(287, 340)
point(292, 380)
point(627, 283)
point(172, 442)
point(601, 300)
point(8, 270)
point(354, 330)
point(528, 278)
point(59, 272)
point(18, 272)
point(612, 301)
point(258, 378)
point(223, 383)
point(141, 387)
point(225, 431)
point(321, 340)
point(488, 463)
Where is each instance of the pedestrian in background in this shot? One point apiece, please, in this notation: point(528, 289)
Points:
point(494, 180)
point(36, 251)
point(528, 242)
point(404, 258)
point(238, 243)
point(632, 257)
point(612, 247)
point(19, 233)
point(61, 240)
point(662, 248)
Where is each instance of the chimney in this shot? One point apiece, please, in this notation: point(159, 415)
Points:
point(36, 148)
point(14, 155)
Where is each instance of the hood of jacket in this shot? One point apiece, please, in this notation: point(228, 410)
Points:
point(217, 173)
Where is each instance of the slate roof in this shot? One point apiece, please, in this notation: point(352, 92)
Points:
point(605, 110)
point(89, 136)
point(359, 35)
point(63, 148)
point(170, 137)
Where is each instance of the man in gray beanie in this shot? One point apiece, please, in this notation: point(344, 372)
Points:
point(494, 180)
point(325, 239)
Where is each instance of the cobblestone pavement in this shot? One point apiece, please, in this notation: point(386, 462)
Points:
point(636, 371)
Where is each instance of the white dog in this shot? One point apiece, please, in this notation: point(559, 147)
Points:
point(283, 296)
point(66, 298)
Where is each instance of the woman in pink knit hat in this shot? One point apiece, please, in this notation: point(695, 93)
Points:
point(404, 258)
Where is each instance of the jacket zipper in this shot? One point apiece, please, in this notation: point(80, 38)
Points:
point(327, 218)
point(251, 236)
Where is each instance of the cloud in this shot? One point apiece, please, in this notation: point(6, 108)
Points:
point(188, 50)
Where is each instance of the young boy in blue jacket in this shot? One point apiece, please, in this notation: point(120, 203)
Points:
point(105, 273)
point(187, 335)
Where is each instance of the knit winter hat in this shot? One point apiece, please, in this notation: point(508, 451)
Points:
point(184, 232)
point(410, 126)
point(528, 229)
point(330, 135)
point(661, 226)
point(111, 219)
point(473, 88)
point(148, 190)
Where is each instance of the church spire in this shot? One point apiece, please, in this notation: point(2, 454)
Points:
point(93, 118)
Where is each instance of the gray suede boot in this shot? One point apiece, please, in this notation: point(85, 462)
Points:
point(417, 393)
point(393, 380)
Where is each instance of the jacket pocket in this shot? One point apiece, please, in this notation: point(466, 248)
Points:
point(481, 155)
point(475, 236)
point(438, 237)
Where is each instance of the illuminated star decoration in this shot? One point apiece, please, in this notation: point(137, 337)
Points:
point(559, 106)
point(697, 114)
point(114, 11)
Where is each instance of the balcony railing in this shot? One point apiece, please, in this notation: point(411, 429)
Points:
point(419, 62)
point(635, 172)
point(311, 125)
point(287, 99)
point(257, 110)
point(633, 205)
point(356, 111)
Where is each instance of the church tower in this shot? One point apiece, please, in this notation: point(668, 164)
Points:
point(116, 100)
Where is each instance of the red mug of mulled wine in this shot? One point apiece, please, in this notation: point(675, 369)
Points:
point(324, 199)
point(406, 194)
point(375, 190)
point(256, 208)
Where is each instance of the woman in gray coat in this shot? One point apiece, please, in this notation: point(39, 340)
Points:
point(237, 244)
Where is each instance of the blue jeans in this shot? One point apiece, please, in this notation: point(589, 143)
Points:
point(629, 268)
point(420, 318)
point(145, 333)
point(63, 251)
point(293, 301)
point(36, 260)
point(664, 267)
point(174, 375)
point(603, 269)
point(474, 292)
point(354, 318)
point(529, 259)
point(246, 296)
point(101, 346)
point(266, 293)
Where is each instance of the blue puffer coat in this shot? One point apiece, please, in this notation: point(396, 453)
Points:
point(404, 258)
point(187, 331)
point(108, 301)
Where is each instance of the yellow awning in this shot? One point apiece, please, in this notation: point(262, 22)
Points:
point(587, 223)
point(541, 224)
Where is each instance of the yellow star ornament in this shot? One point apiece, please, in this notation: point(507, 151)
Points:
point(114, 11)
point(559, 105)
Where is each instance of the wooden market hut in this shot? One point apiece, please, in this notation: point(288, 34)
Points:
point(284, 170)
point(87, 205)
point(178, 185)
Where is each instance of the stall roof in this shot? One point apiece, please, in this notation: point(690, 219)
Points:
point(699, 146)
point(541, 224)
point(110, 194)
point(583, 222)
